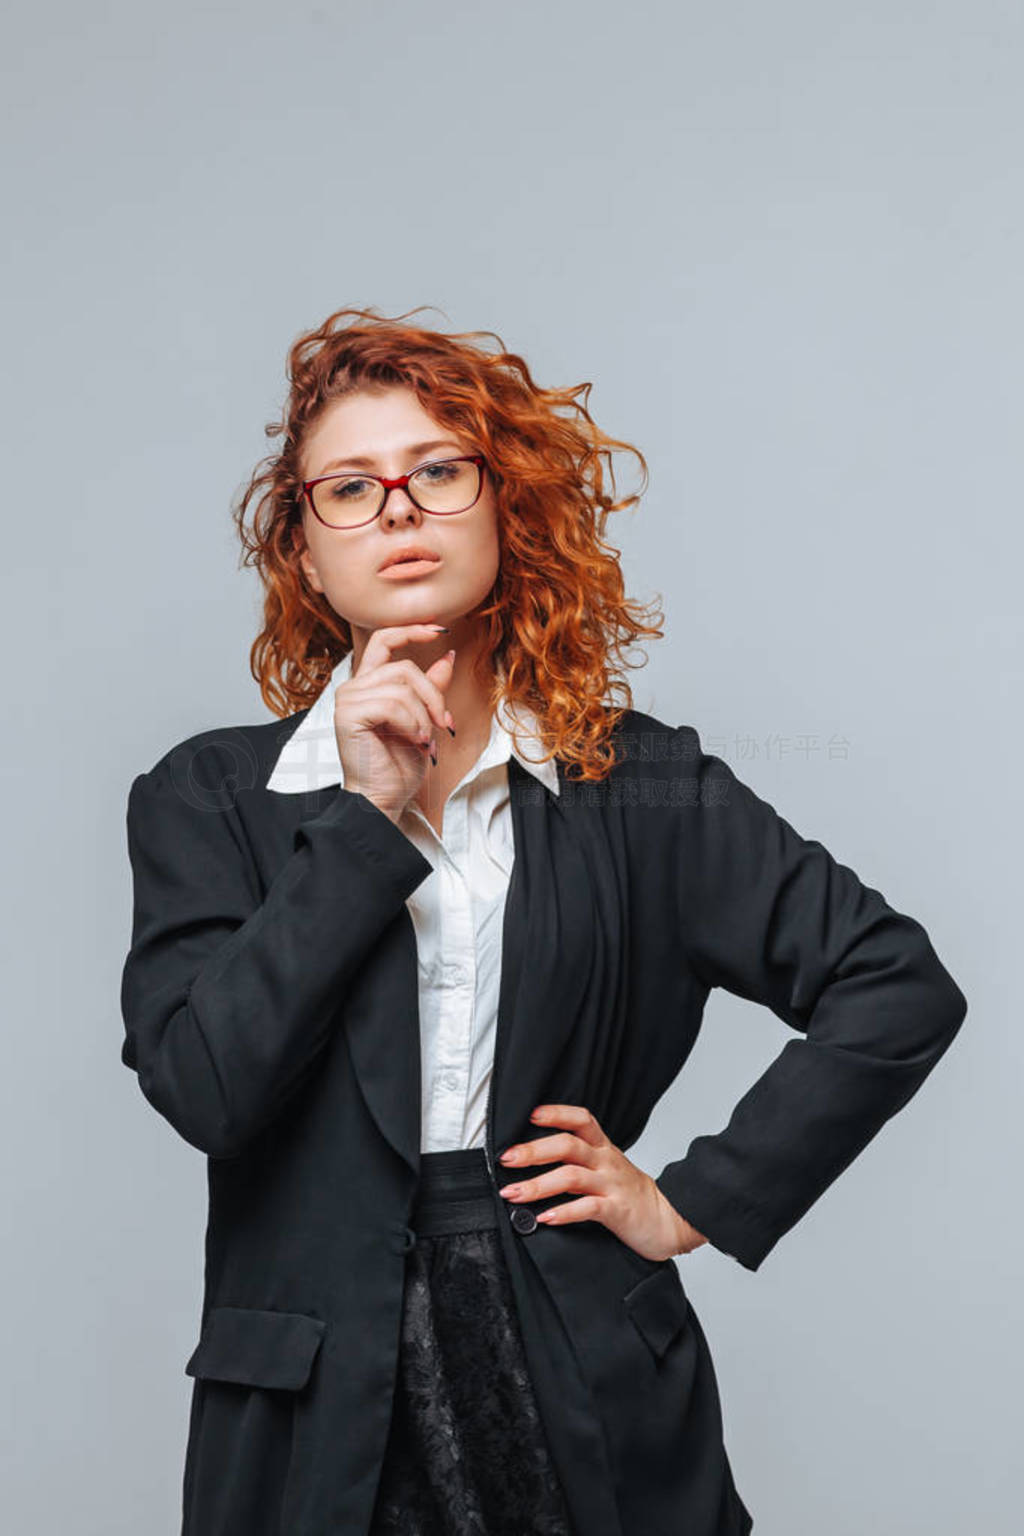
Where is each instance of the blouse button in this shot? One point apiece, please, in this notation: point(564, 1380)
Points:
point(523, 1219)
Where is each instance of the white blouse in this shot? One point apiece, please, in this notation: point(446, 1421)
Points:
point(457, 910)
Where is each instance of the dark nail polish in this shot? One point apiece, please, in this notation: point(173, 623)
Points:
point(449, 730)
point(433, 759)
point(442, 627)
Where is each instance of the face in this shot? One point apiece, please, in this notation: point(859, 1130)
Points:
point(386, 428)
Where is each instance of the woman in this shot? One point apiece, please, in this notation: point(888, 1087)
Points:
point(414, 963)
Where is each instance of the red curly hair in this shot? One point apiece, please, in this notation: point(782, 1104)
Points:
point(557, 611)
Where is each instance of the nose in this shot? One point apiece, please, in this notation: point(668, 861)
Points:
point(400, 509)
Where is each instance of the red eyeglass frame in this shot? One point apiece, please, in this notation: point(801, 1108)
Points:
point(389, 485)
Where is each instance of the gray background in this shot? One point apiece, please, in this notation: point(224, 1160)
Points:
point(785, 242)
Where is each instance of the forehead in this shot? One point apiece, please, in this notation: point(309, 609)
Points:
point(373, 428)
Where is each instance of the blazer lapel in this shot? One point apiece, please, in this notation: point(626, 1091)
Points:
point(548, 952)
point(383, 1031)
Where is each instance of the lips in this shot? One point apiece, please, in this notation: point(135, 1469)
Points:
point(408, 555)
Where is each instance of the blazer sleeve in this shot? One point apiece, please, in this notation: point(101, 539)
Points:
point(772, 917)
point(229, 999)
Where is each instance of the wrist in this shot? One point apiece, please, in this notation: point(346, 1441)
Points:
point(392, 812)
point(687, 1236)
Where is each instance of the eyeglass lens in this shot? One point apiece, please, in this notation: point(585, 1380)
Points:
point(344, 501)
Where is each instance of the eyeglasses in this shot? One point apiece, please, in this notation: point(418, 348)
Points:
point(442, 488)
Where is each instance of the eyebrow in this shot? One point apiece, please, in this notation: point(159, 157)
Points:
point(413, 450)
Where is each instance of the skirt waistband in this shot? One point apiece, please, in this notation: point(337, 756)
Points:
point(455, 1193)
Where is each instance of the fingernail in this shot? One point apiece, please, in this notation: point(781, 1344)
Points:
point(447, 720)
point(451, 655)
point(442, 627)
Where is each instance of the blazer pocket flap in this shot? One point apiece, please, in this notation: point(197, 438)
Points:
point(256, 1348)
point(658, 1306)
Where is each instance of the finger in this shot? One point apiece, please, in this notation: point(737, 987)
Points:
point(576, 1116)
point(570, 1178)
point(391, 638)
point(561, 1147)
point(393, 716)
point(589, 1208)
point(424, 686)
point(406, 697)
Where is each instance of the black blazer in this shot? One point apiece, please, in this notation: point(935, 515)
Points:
point(270, 1006)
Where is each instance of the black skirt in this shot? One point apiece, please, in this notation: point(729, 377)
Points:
point(466, 1452)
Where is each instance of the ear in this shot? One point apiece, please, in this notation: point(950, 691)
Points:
point(305, 558)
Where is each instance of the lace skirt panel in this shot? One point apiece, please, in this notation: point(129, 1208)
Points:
point(466, 1453)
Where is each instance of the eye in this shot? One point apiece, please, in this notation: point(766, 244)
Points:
point(438, 472)
point(347, 489)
